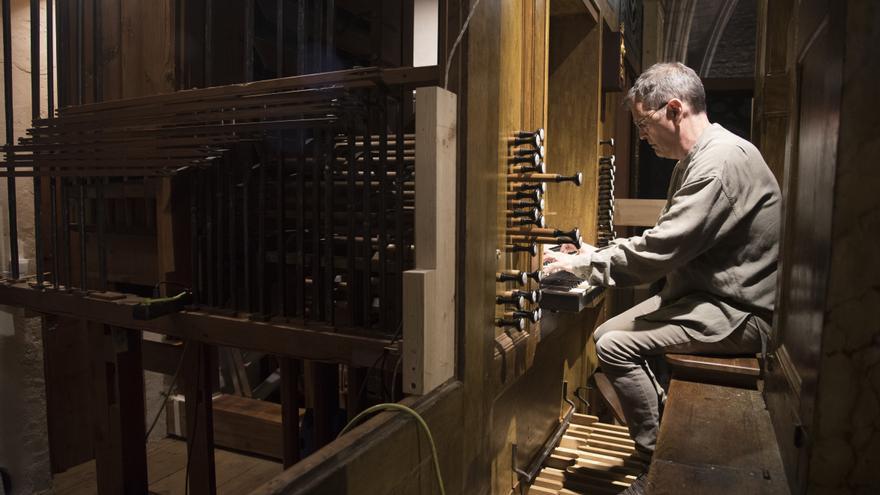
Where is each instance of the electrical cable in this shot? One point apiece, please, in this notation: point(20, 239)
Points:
point(421, 421)
point(457, 41)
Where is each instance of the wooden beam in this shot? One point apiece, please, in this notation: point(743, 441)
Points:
point(325, 384)
point(319, 342)
point(199, 374)
point(119, 425)
point(429, 289)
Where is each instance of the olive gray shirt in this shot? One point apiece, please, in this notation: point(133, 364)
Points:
point(716, 241)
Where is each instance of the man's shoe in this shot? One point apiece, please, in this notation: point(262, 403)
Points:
point(638, 487)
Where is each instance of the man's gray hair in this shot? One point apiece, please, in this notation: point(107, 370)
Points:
point(665, 81)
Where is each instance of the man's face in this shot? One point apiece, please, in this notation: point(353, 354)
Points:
point(656, 128)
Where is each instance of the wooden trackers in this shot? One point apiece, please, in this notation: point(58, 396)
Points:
point(429, 289)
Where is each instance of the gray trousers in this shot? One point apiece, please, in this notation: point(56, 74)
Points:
point(623, 343)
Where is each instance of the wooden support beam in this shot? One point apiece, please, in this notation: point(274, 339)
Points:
point(325, 384)
point(199, 374)
point(290, 401)
point(285, 339)
point(429, 289)
point(119, 425)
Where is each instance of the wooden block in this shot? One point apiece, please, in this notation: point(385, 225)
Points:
point(637, 212)
point(429, 289)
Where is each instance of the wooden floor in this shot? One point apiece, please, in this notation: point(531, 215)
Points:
point(166, 464)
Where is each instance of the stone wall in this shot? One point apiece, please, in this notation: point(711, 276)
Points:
point(846, 453)
point(24, 446)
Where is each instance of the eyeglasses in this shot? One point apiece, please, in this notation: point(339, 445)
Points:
point(642, 123)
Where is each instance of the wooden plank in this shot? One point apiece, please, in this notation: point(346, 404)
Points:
point(429, 290)
point(637, 212)
point(690, 459)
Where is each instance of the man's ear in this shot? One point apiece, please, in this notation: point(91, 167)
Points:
point(674, 107)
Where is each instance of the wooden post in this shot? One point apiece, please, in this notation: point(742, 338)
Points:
point(119, 426)
point(199, 374)
point(290, 410)
point(325, 384)
point(429, 289)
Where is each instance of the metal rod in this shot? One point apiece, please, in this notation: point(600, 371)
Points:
point(280, 238)
point(10, 171)
point(207, 50)
point(383, 210)
point(261, 232)
point(100, 220)
point(221, 205)
point(367, 232)
point(65, 234)
point(80, 83)
point(50, 58)
point(231, 162)
point(35, 114)
point(352, 305)
point(299, 269)
point(315, 229)
point(246, 235)
point(279, 38)
point(83, 274)
point(194, 238)
point(248, 62)
point(326, 143)
point(211, 240)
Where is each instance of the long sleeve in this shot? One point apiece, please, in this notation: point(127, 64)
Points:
point(697, 215)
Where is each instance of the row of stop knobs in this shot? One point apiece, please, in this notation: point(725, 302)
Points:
point(526, 228)
point(516, 313)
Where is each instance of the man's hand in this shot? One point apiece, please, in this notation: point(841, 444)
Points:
point(556, 261)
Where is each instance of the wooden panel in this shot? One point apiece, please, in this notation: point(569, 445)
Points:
point(637, 212)
point(573, 120)
point(147, 47)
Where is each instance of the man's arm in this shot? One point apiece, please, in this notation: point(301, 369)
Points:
point(699, 213)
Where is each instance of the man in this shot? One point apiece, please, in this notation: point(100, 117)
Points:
point(716, 242)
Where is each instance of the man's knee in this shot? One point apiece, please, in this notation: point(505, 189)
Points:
point(603, 329)
point(608, 348)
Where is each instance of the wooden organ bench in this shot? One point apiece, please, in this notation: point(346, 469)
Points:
point(715, 434)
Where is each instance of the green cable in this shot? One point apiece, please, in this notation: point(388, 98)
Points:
point(148, 300)
point(401, 407)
